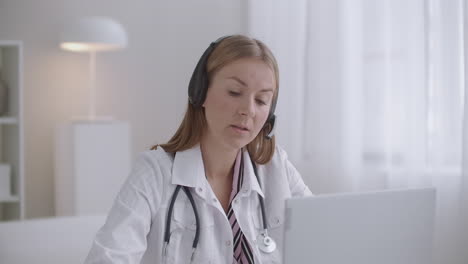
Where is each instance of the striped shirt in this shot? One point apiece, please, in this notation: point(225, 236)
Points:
point(242, 251)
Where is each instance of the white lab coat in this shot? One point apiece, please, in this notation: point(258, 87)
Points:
point(134, 229)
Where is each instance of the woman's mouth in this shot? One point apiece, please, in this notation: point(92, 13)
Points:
point(240, 129)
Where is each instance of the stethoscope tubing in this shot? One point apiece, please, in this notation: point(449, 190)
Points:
point(167, 233)
point(262, 203)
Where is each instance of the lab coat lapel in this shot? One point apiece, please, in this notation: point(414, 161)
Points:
point(188, 169)
point(250, 180)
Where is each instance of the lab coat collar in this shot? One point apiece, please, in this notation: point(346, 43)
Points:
point(250, 180)
point(188, 170)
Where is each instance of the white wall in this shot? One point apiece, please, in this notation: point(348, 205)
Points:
point(145, 84)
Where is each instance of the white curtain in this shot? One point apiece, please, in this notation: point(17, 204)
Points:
point(372, 97)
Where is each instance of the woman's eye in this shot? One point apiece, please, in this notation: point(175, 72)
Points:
point(234, 93)
point(261, 102)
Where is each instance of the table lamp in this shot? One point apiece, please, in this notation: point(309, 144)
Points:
point(92, 35)
point(92, 154)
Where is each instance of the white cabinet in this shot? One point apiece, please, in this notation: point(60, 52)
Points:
point(11, 132)
point(92, 160)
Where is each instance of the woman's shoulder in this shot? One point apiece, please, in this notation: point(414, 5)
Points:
point(277, 161)
point(279, 156)
point(156, 156)
point(152, 163)
point(282, 167)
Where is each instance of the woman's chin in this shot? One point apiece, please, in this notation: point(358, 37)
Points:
point(237, 143)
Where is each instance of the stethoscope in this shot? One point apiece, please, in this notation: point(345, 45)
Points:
point(264, 242)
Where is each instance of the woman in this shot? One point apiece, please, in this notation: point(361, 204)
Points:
point(207, 195)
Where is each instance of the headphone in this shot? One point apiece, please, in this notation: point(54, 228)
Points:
point(198, 86)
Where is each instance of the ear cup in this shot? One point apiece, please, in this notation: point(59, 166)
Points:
point(198, 85)
point(271, 120)
point(272, 117)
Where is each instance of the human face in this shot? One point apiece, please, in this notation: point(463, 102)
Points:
point(238, 102)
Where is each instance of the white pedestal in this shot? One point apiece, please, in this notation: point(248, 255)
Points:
point(92, 160)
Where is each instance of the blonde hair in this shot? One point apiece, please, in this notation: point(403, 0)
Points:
point(230, 49)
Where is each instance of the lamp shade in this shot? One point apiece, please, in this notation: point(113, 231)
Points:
point(93, 34)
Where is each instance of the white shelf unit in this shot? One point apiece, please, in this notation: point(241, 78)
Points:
point(12, 205)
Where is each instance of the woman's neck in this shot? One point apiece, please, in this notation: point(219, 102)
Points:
point(218, 160)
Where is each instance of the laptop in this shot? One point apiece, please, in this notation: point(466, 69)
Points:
point(381, 227)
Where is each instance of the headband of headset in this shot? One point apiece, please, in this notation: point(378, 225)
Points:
point(198, 85)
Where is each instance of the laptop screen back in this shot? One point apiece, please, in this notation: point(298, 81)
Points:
point(384, 227)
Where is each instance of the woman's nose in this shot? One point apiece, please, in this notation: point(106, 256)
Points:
point(247, 107)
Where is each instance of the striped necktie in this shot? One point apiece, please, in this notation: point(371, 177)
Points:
point(242, 251)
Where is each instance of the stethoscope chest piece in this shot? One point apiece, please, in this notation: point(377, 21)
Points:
point(266, 243)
